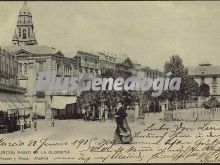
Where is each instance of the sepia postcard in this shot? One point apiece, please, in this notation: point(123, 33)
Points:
point(109, 82)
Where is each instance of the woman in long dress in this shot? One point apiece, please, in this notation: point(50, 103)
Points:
point(123, 132)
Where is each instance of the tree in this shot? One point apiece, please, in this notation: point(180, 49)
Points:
point(204, 90)
point(188, 87)
point(211, 103)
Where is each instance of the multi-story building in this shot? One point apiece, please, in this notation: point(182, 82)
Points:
point(88, 62)
point(107, 62)
point(12, 97)
point(151, 73)
point(208, 74)
point(122, 64)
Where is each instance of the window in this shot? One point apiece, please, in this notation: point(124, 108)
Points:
point(28, 32)
point(80, 69)
point(58, 67)
point(202, 80)
point(86, 70)
point(214, 91)
point(41, 66)
point(24, 34)
point(19, 68)
point(6, 68)
point(25, 68)
point(40, 94)
point(19, 32)
point(15, 71)
point(85, 59)
point(214, 80)
point(0, 64)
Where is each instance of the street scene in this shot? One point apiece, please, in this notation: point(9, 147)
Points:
point(84, 87)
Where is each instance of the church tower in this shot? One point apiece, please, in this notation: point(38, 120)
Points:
point(24, 32)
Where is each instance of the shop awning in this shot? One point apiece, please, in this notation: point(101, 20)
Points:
point(60, 102)
point(10, 101)
point(21, 99)
point(4, 106)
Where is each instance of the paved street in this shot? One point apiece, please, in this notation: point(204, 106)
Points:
point(70, 128)
point(87, 129)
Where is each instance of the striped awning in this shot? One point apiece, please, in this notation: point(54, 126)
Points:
point(10, 101)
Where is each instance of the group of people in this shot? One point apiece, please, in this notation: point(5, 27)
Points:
point(87, 114)
point(27, 122)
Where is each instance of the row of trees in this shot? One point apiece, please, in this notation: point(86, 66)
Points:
point(109, 98)
point(188, 89)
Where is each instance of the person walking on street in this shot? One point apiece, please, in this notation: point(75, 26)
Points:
point(35, 124)
point(84, 113)
point(103, 115)
point(123, 132)
point(52, 121)
point(21, 124)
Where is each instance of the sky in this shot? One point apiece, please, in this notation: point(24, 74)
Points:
point(148, 32)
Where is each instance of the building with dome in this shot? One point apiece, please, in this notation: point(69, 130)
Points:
point(24, 32)
point(34, 58)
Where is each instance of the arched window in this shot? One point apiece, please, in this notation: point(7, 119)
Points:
point(24, 33)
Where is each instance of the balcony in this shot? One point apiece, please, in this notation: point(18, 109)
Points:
point(12, 88)
point(89, 65)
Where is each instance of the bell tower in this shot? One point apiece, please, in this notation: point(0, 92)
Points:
point(24, 32)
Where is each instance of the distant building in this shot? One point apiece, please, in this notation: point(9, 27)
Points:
point(88, 63)
point(151, 73)
point(107, 62)
point(121, 64)
point(208, 74)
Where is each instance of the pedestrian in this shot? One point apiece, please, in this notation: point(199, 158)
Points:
point(103, 115)
point(21, 122)
point(35, 124)
point(84, 113)
point(52, 121)
point(29, 122)
point(123, 131)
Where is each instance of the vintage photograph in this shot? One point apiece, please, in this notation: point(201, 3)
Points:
point(109, 82)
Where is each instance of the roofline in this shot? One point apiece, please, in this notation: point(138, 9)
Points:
point(204, 75)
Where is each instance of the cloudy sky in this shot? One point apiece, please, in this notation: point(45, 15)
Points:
point(149, 32)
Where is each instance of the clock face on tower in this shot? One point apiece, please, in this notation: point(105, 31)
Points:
point(24, 32)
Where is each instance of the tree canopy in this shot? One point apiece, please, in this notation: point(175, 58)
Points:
point(188, 87)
